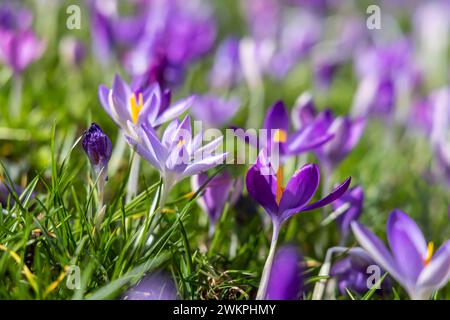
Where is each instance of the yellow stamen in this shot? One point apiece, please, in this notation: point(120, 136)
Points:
point(182, 142)
point(135, 107)
point(280, 188)
point(280, 136)
point(430, 250)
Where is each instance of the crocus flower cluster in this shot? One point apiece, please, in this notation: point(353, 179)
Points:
point(158, 41)
point(19, 45)
point(411, 261)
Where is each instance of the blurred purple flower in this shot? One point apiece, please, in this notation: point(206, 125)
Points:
point(156, 286)
point(352, 273)
point(130, 108)
point(383, 70)
point(214, 111)
point(354, 199)
point(411, 261)
point(98, 148)
point(18, 49)
point(220, 189)
point(14, 18)
point(286, 276)
point(72, 51)
point(442, 155)
point(177, 155)
point(345, 133)
point(226, 70)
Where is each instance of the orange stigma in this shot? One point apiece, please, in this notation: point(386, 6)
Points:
point(280, 136)
point(135, 107)
point(429, 255)
point(280, 188)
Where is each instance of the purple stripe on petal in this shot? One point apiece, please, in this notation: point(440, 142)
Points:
point(335, 194)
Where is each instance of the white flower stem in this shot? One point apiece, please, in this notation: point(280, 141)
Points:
point(15, 98)
point(133, 177)
point(262, 291)
point(324, 271)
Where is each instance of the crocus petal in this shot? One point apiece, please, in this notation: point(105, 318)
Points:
point(377, 250)
point(174, 111)
point(153, 144)
point(356, 131)
point(277, 117)
point(118, 98)
point(103, 93)
point(335, 194)
point(204, 165)
point(206, 150)
point(261, 188)
point(437, 273)
point(306, 139)
point(407, 244)
point(299, 190)
point(143, 152)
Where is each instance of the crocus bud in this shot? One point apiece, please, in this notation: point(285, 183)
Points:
point(98, 148)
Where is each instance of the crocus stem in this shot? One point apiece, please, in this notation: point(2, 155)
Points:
point(15, 98)
point(133, 177)
point(324, 271)
point(262, 291)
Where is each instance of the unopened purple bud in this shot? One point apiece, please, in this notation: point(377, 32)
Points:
point(98, 147)
point(72, 51)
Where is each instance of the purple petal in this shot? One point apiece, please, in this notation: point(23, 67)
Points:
point(277, 117)
point(143, 152)
point(377, 250)
point(174, 111)
point(407, 244)
point(103, 95)
point(299, 190)
point(285, 281)
point(335, 194)
point(261, 188)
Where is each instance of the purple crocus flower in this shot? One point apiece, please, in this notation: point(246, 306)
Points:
point(221, 189)
point(18, 49)
point(410, 261)
point(265, 185)
point(353, 201)
point(177, 155)
point(214, 111)
point(286, 276)
point(156, 286)
point(131, 108)
point(226, 70)
point(442, 155)
point(98, 148)
point(352, 273)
